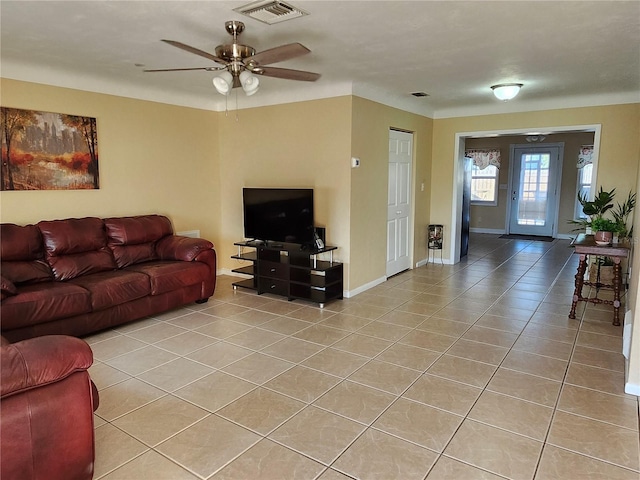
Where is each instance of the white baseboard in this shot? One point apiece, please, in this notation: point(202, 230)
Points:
point(565, 236)
point(226, 271)
point(632, 389)
point(435, 261)
point(627, 329)
point(364, 288)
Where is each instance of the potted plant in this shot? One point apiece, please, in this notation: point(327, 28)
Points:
point(621, 215)
point(597, 208)
point(603, 229)
point(601, 203)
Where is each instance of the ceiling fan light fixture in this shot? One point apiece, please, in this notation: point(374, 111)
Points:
point(223, 83)
point(249, 82)
point(506, 91)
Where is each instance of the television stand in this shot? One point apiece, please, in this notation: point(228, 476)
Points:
point(288, 270)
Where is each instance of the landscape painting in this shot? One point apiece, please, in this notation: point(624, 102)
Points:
point(48, 151)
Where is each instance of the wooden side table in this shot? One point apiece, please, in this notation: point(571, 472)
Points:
point(585, 245)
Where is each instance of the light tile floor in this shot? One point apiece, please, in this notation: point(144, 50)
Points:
point(471, 371)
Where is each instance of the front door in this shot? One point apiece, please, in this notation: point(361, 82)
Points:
point(399, 202)
point(535, 186)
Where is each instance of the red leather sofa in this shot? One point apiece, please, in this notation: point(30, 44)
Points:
point(47, 402)
point(82, 275)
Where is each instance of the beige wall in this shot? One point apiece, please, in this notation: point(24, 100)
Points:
point(153, 158)
point(191, 165)
point(301, 145)
point(618, 160)
point(310, 144)
point(493, 217)
point(371, 123)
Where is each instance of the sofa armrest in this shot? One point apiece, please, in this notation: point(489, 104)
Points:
point(175, 247)
point(47, 401)
point(40, 361)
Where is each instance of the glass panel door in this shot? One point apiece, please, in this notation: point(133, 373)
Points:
point(533, 193)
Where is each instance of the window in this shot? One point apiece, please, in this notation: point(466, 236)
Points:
point(585, 175)
point(484, 185)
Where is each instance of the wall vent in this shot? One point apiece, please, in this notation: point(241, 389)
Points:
point(271, 11)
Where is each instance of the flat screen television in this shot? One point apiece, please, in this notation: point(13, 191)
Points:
point(282, 215)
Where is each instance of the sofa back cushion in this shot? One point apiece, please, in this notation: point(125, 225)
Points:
point(76, 246)
point(133, 239)
point(22, 255)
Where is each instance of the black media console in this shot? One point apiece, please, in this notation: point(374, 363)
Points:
point(290, 270)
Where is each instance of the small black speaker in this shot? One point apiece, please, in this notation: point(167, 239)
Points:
point(321, 232)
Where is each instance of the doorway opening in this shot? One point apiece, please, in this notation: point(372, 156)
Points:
point(457, 202)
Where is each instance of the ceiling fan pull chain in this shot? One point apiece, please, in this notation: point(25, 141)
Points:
point(237, 119)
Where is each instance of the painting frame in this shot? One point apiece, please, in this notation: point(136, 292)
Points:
point(48, 151)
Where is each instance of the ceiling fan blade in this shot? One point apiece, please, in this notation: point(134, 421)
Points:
point(278, 54)
point(195, 50)
point(179, 69)
point(287, 73)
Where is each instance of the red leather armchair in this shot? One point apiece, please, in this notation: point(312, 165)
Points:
point(47, 402)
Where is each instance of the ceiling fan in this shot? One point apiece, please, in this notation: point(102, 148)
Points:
point(240, 63)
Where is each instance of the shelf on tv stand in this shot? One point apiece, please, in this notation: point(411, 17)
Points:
point(290, 270)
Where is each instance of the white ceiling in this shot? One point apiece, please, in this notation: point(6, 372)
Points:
point(566, 53)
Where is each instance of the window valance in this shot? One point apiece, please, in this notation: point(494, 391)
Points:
point(585, 157)
point(482, 158)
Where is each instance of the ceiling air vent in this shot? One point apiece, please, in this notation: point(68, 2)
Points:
point(270, 11)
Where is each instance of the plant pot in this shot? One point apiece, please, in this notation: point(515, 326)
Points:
point(603, 238)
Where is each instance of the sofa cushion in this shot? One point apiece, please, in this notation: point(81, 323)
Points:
point(109, 289)
point(166, 276)
point(132, 239)
point(20, 243)
point(7, 288)
point(27, 272)
point(43, 302)
point(76, 246)
point(22, 254)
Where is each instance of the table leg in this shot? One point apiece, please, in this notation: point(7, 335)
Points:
point(577, 293)
point(617, 283)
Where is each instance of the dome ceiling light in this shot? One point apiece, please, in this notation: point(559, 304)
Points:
point(506, 91)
